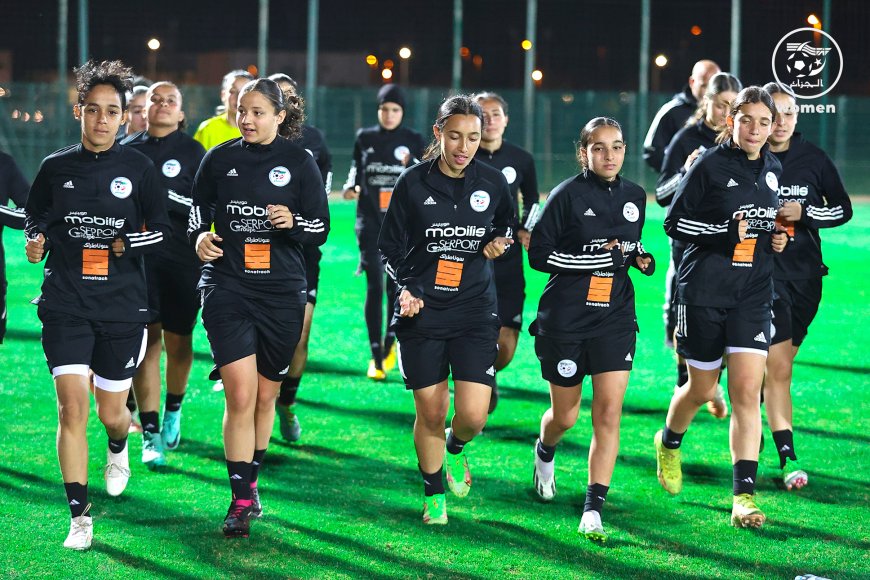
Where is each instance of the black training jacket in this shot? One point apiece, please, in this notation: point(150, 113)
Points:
point(717, 271)
point(176, 157)
point(81, 202)
point(589, 292)
point(378, 160)
point(810, 178)
point(518, 168)
point(232, 188)
point(433, 244)
point(14, 187)
point(670, 119)
point(313, 141)
point(684, 142)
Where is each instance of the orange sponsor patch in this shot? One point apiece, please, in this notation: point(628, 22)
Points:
point(744, 251)
point(448, 274)
point(386, 194)
point(789, 226)
point(258, 256)
point(599, 289)
point(95, 262)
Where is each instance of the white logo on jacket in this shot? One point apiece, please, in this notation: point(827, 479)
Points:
point(401, 152)
point(171, 168)
point(279, 176)
point(479, 201)
point(509, 173)
point(772, 182)
point(567, 368)
point(630, 212)
point(121, 187)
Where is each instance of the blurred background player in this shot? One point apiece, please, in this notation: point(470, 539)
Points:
point(587, 239)
point(673, 114)
point(813, 197)
point(518, 168)
point(14, 187)
point(697, 136)
point(313, 141)
point(172, 274)
point(380, 154)
point(224, 126)
point(136, 111)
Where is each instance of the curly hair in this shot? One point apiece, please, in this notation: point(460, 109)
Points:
point(107, 72)
point(294, 105)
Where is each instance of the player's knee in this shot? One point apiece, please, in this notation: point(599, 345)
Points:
point(73, 415)
point(564, 420)
point(432, 417)
point(114, 417)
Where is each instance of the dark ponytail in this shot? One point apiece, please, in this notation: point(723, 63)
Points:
point(586, 134)
point(293, 105)
point(753, 94)
point(719, 83)
point(455, 105)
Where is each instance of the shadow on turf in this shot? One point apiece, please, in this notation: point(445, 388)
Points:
point(829, 366)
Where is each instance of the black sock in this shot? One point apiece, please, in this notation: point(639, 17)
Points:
point(240, 479)
point(117, 445)
point(721, 372)
point(289, 386)
point(389, 340)
point(173, 402)
point(131, 401)
point(433, 483)
point(77, 498)
point(454, 444)
point(545, 452)
point(259, 454)
point(672, 439)
point(784, 441)
point(378, 355)
point(682, 374)
point(150, 421)
point(745, 473)
point(595, 496)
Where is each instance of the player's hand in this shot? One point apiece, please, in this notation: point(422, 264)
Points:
point(407, 158)
point(612, 244)
point(35, 249)
point(779, 239)
point(643, 262)
point(742, 225)
point(118, 247)
point(351, 193)
point(524, 237)
point(496, 247)
point(280, 216)
point(691, 158)
point(409, 306)
point(206, 248)
point(791, 211)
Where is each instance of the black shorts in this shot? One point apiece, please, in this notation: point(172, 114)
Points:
point(510, 285)
point(794, 309)
point(566, 363)
point(172, 294)
point(73, 345)
point(3, 305)
point(704, 333)
point(312, 271)
point(470, 357)
point(238, 326)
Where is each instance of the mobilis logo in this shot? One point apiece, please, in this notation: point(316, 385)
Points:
point(801, 59)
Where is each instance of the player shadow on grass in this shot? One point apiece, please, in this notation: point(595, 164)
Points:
point(22, 334)
point(833, 367)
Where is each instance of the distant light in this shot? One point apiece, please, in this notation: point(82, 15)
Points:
point(567, 98)
point(464, 52)
point(477, 61)
point(2, 92)
point(389, 64)
point(661, 61)
point(696, 30)
point(405, 52)
point(252, 69)
point(814, 21)
point(37, 116)
point(387, 74)
point(537, 75)
point(372, 60)
point(526, 44)
point(153, 44)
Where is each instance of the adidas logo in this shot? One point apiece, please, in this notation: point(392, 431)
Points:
point(232, 173)
point(370, 150)
point(130, 364)
point(285, 371)
point(518, 318)
point(69, 185)
point(785, 448)
point(747, 480)
point(628, 357)
point(74, 502)
point(760, 338)
point(236, 476)
point(589, 212)
point(732, 183)
point(429, 201)
point(491, 371)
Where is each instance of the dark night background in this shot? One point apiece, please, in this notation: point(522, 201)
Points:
point(581, 44)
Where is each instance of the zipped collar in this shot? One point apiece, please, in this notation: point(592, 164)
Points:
point(441, 183)
point(706, 131)
point(592, 178)
point(87, 153)
point(258, 147)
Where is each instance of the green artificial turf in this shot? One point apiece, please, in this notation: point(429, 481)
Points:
point(345, 501)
